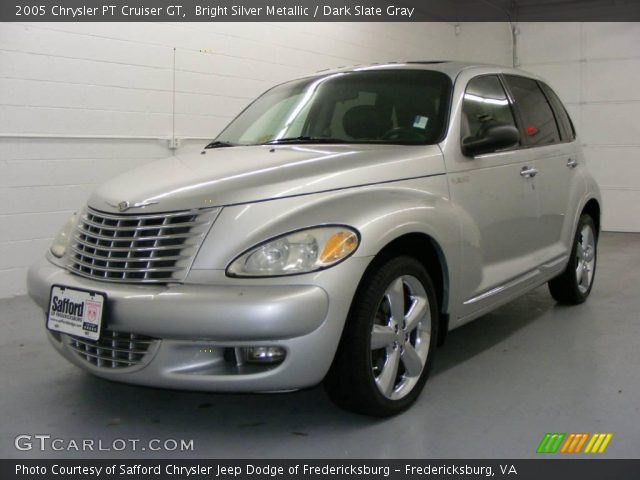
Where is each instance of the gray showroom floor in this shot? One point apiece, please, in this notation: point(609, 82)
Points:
point(498, 385)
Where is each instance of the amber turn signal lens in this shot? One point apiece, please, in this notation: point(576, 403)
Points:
point(338, 246)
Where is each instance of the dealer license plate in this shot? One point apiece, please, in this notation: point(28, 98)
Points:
point(75, 312)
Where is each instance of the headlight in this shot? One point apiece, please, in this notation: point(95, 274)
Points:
point(61, 242)
point(303, 251)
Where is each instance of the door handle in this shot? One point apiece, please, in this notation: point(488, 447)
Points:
point(528, 172)
point(572, 163)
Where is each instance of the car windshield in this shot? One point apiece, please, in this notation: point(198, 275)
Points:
point(385, 106)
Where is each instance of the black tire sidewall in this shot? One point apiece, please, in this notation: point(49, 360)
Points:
point(584, 220)
point(355, 345)
point(564, 288)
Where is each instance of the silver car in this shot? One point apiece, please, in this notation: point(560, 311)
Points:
point(335, 231)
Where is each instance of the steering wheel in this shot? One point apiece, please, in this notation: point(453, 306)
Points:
point(403, 133)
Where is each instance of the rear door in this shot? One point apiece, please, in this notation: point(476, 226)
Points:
point(565, 171)
point(550, 140)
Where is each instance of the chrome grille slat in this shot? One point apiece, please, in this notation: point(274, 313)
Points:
point(129, 259)
point(153, 248)
point(131, 348)
point(159, 281)
point(108, 352)
point(150, 216)
point(125, 249)
point(101, 359)
point(134, 239)
point(89, 223)
point(127, 269)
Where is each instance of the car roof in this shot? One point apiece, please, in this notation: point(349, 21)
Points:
point(450, 68)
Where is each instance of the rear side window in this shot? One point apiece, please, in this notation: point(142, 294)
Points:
point(484, 101)
point(540, 127)
point(566, 127)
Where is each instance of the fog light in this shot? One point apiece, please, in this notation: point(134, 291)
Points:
point(264, 354)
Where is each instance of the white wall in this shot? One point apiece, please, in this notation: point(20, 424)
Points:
point(595, 68)
point(71, 93)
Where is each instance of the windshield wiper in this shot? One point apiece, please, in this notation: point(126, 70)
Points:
point(219, 144)
point(305, 139)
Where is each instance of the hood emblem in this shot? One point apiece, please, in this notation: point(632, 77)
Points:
point(125, 205)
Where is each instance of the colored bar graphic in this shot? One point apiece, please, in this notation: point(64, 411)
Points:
point(605, 443)
point(550, 443)
point(543, 443)
point(573, 443)
point(598, 443)
point(581, 442)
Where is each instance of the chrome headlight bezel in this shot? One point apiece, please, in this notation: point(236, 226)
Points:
point(235, 268)
point(60, 245)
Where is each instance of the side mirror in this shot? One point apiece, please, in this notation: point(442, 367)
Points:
point(493, 137)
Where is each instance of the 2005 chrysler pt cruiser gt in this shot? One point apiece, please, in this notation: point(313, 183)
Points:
point(334, 231)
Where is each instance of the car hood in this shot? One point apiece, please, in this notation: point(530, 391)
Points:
point(235, 175)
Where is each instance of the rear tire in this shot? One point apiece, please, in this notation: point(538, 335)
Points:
point(574, 285)
point(389, 340)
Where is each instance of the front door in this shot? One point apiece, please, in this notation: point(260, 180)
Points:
point(496, 193)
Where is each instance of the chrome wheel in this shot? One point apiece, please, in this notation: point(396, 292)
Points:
point(585, 258)
point(400, 337)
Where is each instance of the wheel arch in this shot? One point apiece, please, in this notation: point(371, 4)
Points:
point(430, 254)
point(592, 208)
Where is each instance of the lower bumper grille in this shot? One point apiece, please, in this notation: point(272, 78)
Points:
point(114, 350)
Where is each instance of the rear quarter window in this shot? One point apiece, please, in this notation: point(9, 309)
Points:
point(564, 121)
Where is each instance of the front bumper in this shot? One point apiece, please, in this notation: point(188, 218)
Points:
point(197, 325)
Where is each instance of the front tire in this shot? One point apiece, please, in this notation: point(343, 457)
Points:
point(574, 285)
point(387, 347)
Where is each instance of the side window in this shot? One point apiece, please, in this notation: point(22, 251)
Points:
point(568, 132)
point(484, 101)
point(540, 125)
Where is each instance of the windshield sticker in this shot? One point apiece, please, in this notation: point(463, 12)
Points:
point(420, 122)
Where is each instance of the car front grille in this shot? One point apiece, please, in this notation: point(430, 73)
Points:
point(114, 350)
point(153, 248)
